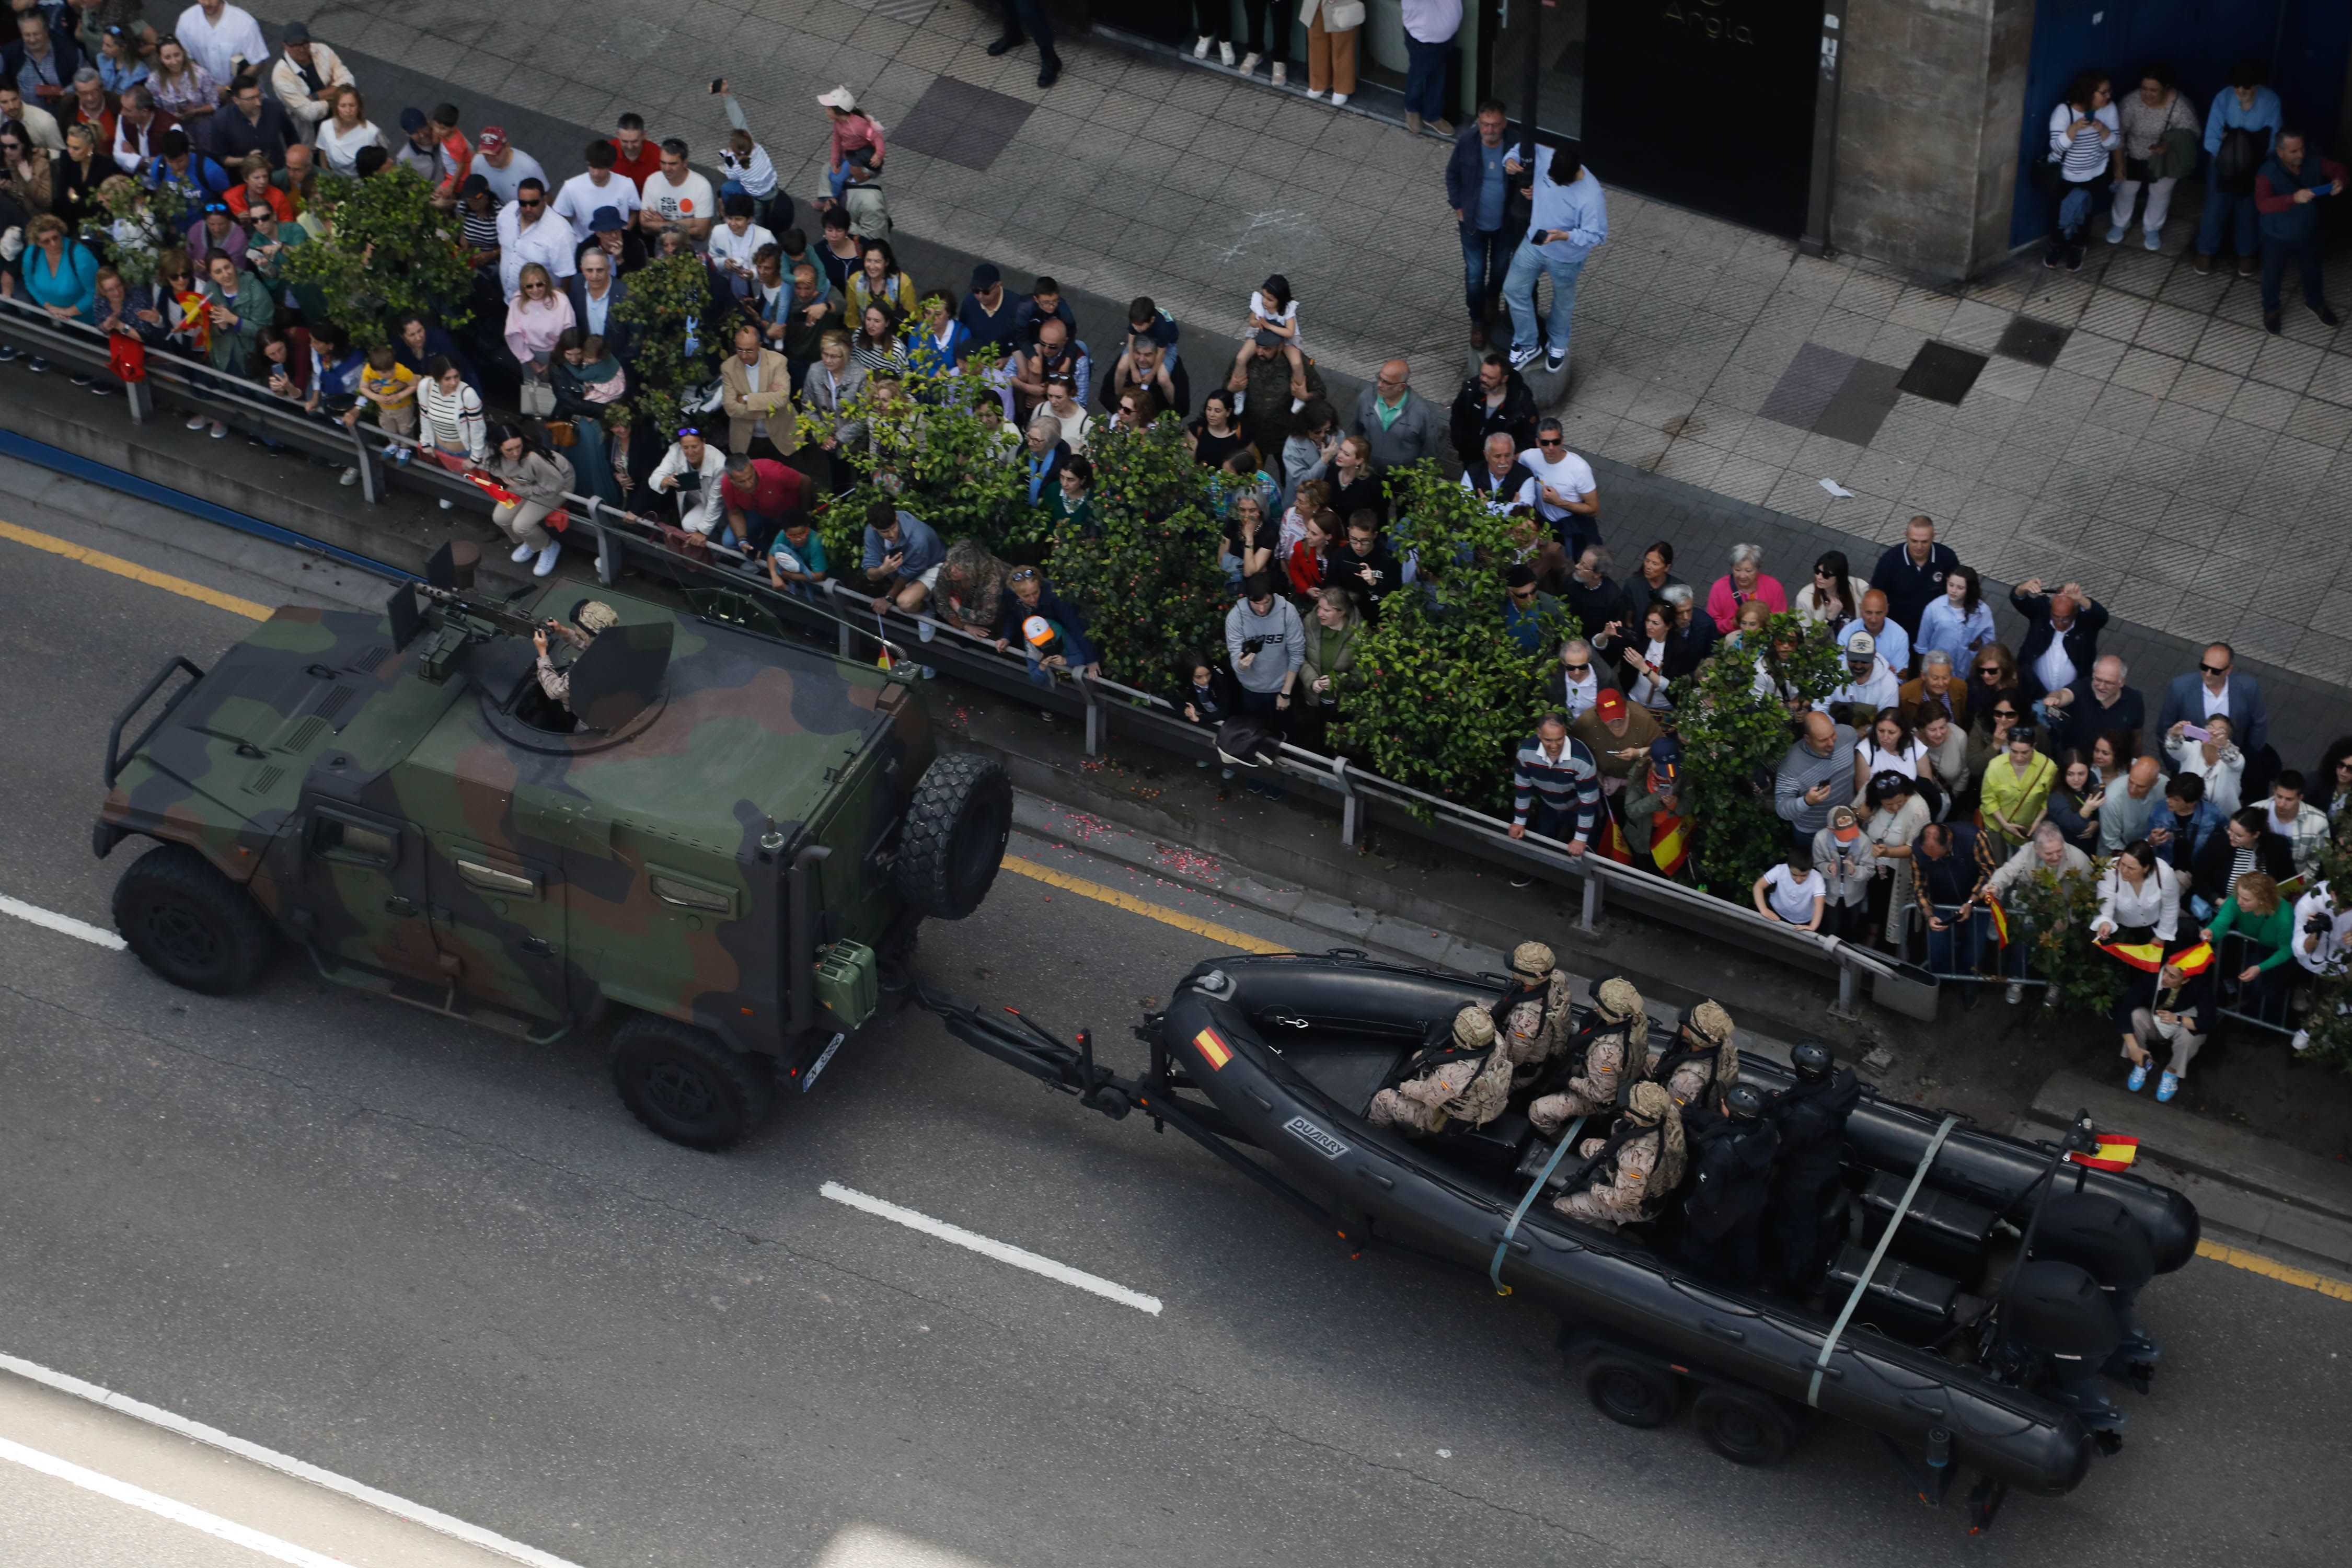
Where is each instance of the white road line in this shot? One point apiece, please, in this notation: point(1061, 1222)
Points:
point(1004, 1252)
point(171, 1509)
point(65, 925)
point(286, 1465)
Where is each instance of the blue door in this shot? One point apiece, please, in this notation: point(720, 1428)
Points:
point(2304, 42)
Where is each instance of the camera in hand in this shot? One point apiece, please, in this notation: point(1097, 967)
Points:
point(1251, 645)
point(2320, 923)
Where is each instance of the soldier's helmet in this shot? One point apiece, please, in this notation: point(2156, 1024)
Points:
point(1710, 1023)
point(1531, 961)
point(1649, 1102)
point(593, 616)
point(1744, 1101)
point(1811, 1060)
point(1473, 1028)
point(1618, 1000)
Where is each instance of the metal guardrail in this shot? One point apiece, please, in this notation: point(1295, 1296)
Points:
point(1108, 708)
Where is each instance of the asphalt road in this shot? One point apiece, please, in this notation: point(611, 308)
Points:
point(452, 1267)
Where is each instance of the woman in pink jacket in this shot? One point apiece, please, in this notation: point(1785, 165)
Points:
point(1744, 582)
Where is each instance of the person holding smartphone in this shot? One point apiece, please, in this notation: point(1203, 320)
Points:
point(1568, 221)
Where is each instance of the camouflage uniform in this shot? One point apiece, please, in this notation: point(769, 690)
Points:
point(1538, 1018)
point(1622, 1037)
point(1648, 1167)
point(1472, 1090)
point(593, 617)
point(1709, 1026)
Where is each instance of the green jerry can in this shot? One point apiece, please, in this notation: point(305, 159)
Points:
point(846, 987)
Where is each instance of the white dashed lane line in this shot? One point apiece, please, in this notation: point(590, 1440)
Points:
point(64, 925)
point(987, 1247)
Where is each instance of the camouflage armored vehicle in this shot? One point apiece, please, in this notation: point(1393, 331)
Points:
point(724, 842)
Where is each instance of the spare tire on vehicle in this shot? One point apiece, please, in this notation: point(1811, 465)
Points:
point(953, 837)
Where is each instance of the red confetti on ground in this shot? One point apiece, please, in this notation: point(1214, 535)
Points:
point(1190, 863)
point(1083, 826)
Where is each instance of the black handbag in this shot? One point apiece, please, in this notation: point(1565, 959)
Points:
point(2239, 159)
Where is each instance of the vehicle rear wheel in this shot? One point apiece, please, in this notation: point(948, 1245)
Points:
point(1625, 1390)
point(687, 1085)
point(1746, 1428)
point(953, 838)
point(190, 924)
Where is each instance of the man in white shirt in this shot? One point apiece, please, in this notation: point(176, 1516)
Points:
point(39, 123)
point(581, 195)
point(218, 34)
point(504, 165)
point(692, 469)
point(677, 197)
point(304, 75)
point(1565, 495)
point(737, 242)
point(136, 128)
point(2322, 935)
point(527, 233)
point(1894, 644)
point(1505, 483)
point(1868, 681)
point(1580, 682)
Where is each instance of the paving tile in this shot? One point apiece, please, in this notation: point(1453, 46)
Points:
point(2146, 370)
point(2114, 315)
point(2034, 341)
point(2086, 354)
point(2282, 361)
point(2227, 346)
point(2014, 380)
point(2202, 386)
point(1805, 388)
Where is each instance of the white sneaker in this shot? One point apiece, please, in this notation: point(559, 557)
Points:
point(1281, 74)
point(1522, 358)
point(2116, 235)
point(2302, 1039)
point(447, 505)
point(2014, 994)
point(198, 423)
point(548, 558)
point(349, 477)
point(1249, 62)
point(1225, 53)
point(1556, 363)
point(1339, 99)
point(2154, 240)
point(1201, 50)
point(1314, 92)
point(522, 552)
point(926, 629)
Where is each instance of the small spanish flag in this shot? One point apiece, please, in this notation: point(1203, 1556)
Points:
point(1999, 920)
point(2147, 955)
point(2194, 958)
point(1213, 1049)
point(1612, 841)
point(1669, 847)
point(2116, 1152)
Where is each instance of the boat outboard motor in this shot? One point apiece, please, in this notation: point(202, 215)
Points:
point(2059, 1313)
point(2098, 1235)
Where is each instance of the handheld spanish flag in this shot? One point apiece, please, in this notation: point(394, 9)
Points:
point(1213, 1048)
point(1999, 920)
point(2145, 955)
point(1613, 840)
point(2116, 1152)
point(2194, 958)
point(1669, 844)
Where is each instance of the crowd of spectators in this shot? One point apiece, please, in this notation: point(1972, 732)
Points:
point(1950, 763)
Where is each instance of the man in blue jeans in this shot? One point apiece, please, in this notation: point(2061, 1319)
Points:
point(1568, 221)
point(2287, 193)
point(1429, 29)
point(2244, 105)
point(1477, 188)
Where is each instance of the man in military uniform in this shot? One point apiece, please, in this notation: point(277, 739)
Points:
point(1628, 1175)
point(1466, 1082)
point(589, 617)
point(1537, 1016)
point(1699, 1062)
point(1810, 1116)
point(1619, 1038)
point(1731, 1181)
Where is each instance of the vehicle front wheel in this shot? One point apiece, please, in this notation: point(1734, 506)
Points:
point(1624, 1390)
point(687, 1085)
point(189, 923)
point(1745, 1427)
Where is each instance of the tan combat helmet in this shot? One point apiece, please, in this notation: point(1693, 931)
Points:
point(595, 616)
point(1474, 1028)
point(1619, 1003)
point(1710, 1024)
point(1651, 1106)
point(1532, 960)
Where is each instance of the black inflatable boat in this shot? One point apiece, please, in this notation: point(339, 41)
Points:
point(1943, 1356)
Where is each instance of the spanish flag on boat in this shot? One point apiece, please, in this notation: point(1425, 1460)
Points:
point(2116, 1152)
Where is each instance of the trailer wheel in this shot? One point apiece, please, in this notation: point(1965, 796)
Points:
point(1745, 1427)
point(1625, 1390)
point(954, 835)
point(687, 1085)
point(189, 923)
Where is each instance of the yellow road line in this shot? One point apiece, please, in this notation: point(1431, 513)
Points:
point(1226, 935)
point(2269, 1267)
point(136, 573)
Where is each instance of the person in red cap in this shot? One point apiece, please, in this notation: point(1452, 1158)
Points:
point(504, 165)
point(1618, 734)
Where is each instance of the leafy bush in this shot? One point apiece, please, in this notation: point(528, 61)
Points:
point(1733, 741)
point(141, 225)
point(386, 252)
point(940, 448)
point(678, 347)
point(1447, 694)
point(2058, 912)
point(1147, 572)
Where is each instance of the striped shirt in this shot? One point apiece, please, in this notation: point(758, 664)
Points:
point(2082, 156)
point(1571, 780)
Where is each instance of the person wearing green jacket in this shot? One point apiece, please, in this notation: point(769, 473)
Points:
point(2258, 911)
point(240, 307)
point(1332, 633)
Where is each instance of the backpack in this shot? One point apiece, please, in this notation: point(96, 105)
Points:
point(2238, 160)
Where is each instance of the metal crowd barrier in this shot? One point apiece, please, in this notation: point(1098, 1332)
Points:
point(1108, 708)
